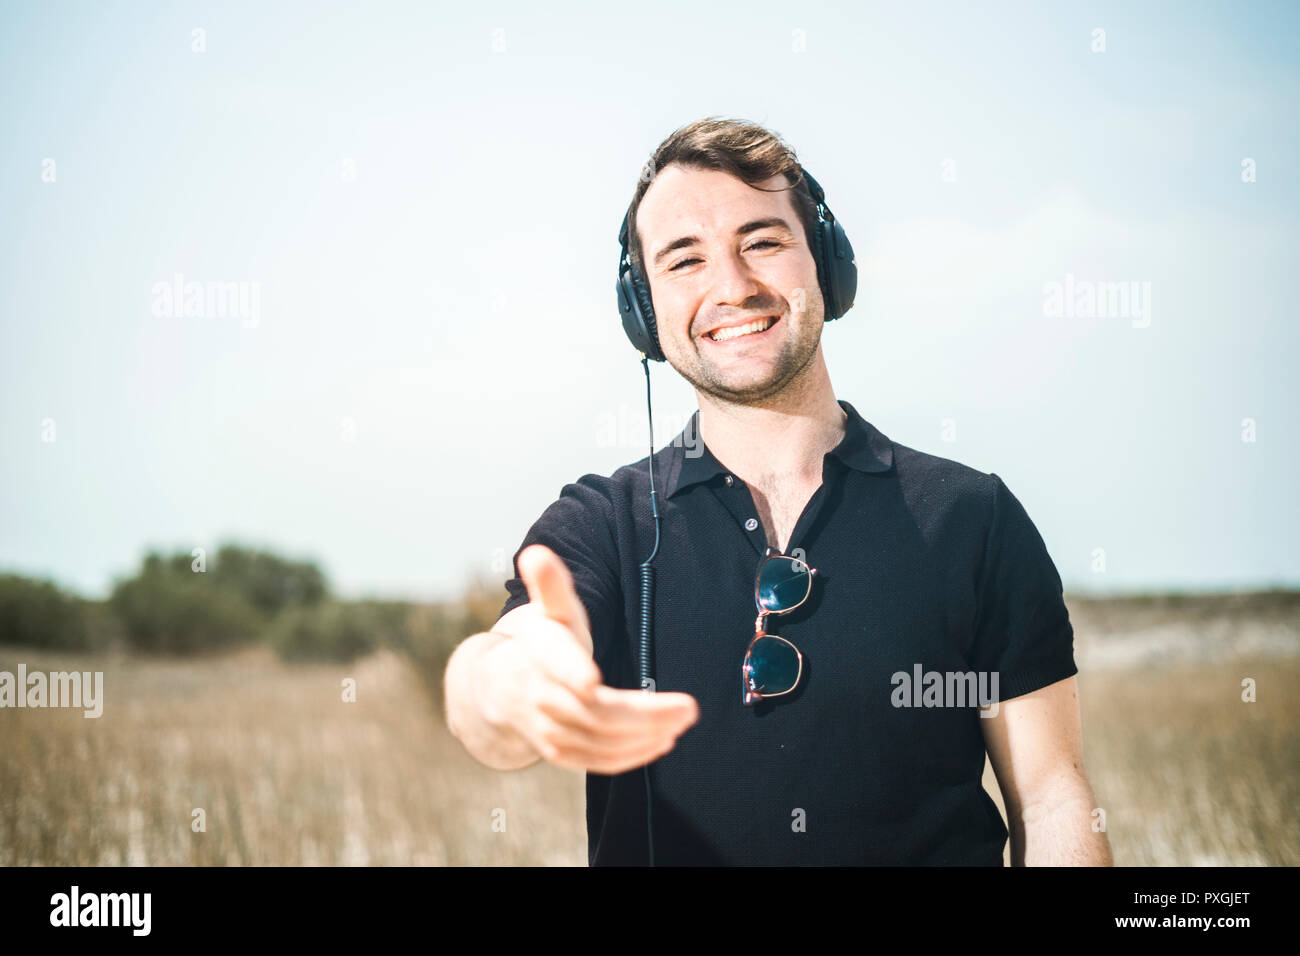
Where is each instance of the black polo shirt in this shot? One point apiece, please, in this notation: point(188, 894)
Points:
point(921, 561)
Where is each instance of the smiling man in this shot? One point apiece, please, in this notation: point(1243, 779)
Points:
point(780, 740)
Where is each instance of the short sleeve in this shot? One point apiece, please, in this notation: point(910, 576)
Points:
point(578, 527)
point(1023, 631)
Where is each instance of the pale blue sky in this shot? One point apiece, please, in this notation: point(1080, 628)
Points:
point(432, 227)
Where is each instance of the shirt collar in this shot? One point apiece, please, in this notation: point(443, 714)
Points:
point(863, 447)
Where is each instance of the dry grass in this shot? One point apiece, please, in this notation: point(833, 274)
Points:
point(286, 771)
point(1188, 773)
point(290, 774)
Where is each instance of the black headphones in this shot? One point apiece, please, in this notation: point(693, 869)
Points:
point(837, 274)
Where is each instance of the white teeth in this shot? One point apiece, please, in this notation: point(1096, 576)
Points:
point(756, 326)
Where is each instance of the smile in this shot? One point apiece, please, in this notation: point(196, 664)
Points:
point(748, 330)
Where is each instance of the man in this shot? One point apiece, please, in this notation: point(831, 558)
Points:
point(923, 567)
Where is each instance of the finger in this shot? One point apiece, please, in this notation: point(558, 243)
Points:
point(632, 706)
point(587, 762)
point(550, 587)
point(630, 723)
point(602, 746)
point(569, 747)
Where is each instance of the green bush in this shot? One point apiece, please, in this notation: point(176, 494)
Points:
point(167, 610)
point(243, 595)
point(336, 631)
point(266, 581)
point(37, 613)
point(169, 606)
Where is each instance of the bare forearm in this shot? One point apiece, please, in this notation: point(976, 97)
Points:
point(1059, 830)
point(467, 683)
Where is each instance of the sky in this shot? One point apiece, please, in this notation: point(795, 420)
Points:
point(416, 209)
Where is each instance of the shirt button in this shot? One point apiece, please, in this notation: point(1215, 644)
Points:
point(751, 524)
point(728, 480)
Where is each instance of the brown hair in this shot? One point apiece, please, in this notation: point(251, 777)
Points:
point(745, 150)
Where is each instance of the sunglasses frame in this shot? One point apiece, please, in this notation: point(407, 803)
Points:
point(750, 695)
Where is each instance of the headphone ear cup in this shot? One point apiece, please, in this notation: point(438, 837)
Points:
point(823, 274)
point(840, 269)
point(638, 316)
point(648, 319)
point(836, 271)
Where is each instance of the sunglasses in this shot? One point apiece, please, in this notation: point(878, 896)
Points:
point(772, 664)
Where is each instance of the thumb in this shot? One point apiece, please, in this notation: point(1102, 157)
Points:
point(550, 587)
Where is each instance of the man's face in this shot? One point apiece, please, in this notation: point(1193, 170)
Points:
point(718, 252)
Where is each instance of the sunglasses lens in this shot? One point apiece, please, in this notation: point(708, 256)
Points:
point(783, 583)
point(775, 665)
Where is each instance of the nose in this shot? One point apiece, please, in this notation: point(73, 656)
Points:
point(733, 280)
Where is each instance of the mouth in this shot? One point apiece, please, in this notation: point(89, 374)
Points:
point(748, 332)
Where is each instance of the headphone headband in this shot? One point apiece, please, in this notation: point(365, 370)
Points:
point(837, 275)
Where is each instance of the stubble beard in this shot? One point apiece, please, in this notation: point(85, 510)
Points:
point(792, 363)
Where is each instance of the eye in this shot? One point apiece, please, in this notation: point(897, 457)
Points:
point(756, 245)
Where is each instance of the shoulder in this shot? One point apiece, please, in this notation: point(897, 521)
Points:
point(933, 481)
point(950, 502)
point(951, 499)
point(619, 493)
point(632, 482)
point(586, 500)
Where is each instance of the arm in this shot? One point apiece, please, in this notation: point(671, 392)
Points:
point(1035, 743)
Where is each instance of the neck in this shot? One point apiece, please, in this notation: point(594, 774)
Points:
point(778, 440)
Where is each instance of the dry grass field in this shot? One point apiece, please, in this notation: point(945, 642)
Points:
point(286, 772)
